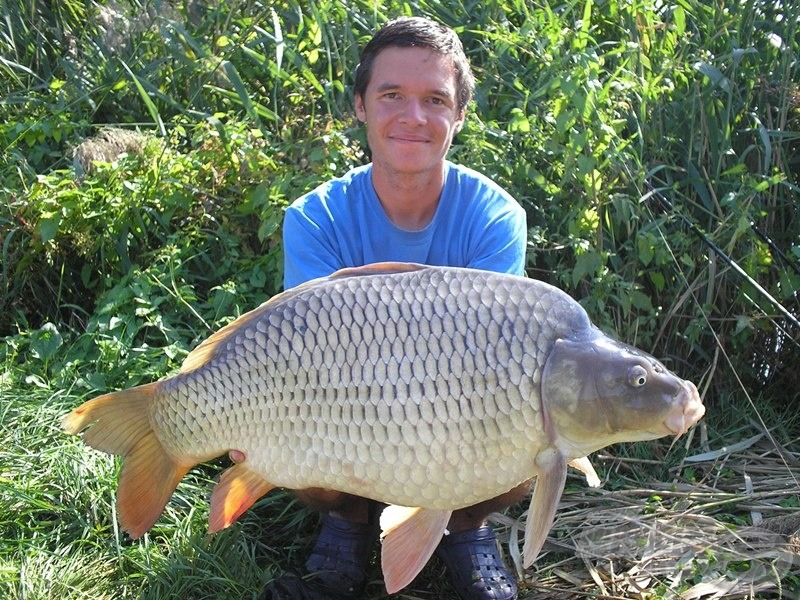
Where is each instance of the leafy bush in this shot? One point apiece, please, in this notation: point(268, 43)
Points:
point(591, 113)
point(154, 250)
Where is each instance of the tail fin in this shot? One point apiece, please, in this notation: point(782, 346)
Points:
point(119, 424)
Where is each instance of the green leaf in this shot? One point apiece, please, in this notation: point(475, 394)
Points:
point(716, 76)
point(587, 264)
point(657, 278)
point(241, 90)
point(679, 18)
point(151, 107)
point(48, 227)
point(45, 342)
point(641, 300)
point(644, 249)
point(519, 121)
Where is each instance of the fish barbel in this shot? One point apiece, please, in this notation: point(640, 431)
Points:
point(425, 388)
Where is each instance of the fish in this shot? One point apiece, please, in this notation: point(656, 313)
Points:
point(425, 388)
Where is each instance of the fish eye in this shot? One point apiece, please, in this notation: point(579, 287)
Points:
point(637, 376)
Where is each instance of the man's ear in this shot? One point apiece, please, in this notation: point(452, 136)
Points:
point(459, 124)
point(361, 112)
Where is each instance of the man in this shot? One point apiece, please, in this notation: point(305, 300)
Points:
point(409, 204)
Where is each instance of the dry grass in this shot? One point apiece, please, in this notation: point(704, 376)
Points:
point(107, 146)
point(733, 532)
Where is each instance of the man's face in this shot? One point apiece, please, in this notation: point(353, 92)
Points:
point(410, 109)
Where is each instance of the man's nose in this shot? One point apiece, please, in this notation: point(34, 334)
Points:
point(414, 111)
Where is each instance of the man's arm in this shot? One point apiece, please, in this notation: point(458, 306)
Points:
point(502, 244)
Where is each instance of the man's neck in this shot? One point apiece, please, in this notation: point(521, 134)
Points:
point(409, 200)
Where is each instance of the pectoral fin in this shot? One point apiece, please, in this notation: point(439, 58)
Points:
point(544, 501)
point(238, 488)
point(409, 536)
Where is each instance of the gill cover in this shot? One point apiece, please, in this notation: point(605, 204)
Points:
point(597, 391)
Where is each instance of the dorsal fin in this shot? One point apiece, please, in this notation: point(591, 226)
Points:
point(208, 347)
point(380, 268)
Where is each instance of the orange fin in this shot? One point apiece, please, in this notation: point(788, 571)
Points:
point(119, 424)
point(544, 502)
point(410, 536)
point(584, 466)
point(207, 349)
point(381, 268)
point(149, 477)
point(120, 419)
point(238, 488)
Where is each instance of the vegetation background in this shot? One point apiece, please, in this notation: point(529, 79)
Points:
point(150, 147)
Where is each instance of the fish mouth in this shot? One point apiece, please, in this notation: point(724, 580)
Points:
point(689, 410)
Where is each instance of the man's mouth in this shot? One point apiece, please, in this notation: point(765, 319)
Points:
point(411, 139)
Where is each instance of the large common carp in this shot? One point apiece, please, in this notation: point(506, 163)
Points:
point(432, 388)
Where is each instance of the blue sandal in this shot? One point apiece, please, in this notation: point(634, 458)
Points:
point(336, 568)
point(475, 565)
point(339, 560)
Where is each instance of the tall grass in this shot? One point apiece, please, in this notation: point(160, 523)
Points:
point(654, 146)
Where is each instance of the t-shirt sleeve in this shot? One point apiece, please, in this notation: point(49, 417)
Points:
point(307, 251)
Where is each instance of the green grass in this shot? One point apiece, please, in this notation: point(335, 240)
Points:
point(60, 539)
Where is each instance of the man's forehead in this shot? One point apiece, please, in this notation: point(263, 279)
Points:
point(398, 66)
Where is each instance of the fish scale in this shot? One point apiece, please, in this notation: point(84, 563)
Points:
point(428, 387)
point(309, 363)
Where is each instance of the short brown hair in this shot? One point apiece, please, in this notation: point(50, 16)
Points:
point(424, 33)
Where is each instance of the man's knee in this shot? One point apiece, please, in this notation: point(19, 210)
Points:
point(472, 517)
point(346, 506)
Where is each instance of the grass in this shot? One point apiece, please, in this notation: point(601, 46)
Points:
point(667, 523)
point(60, 537)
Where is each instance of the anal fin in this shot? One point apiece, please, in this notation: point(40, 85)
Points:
point(410, 537)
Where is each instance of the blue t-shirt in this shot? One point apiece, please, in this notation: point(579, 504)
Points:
point(342, 224)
